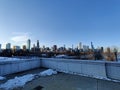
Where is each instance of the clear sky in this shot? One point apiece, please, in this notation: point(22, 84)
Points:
point(60, 22)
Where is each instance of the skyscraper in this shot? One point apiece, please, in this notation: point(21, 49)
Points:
point(92, 47)
point(54, 47)
point(0, 47)
point(64, 47)
point(8, 46)
point(28, 44)
point(80, 46)
point(85, 48)
point(37, 43)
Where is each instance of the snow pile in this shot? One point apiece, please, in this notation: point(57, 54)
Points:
point(2, 78)
point(21, 81)
point(9, 59)
point(17, 82)
point(1, 58)
point(47, 72)
point(61, 56)
point(6, 59)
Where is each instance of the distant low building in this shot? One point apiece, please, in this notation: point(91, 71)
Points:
point(24, 48)
point(16, 48)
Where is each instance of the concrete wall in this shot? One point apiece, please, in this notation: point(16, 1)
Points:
point(113, 70)
point(86, 67)
point(10, 67)
point(102, 69)
point(91, 68)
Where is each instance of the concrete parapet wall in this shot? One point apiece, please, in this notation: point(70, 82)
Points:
point(86, 67)
point(100, 69)
point(103, 69)
point(113, 70)
point(94, 68)
point(10, 67)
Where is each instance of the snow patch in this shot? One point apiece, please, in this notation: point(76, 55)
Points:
point(47, 72)
point(21, 81)
point(91, 76)
point(5, 59)
point(61, 56)
point(2, 78)
point(17, 82)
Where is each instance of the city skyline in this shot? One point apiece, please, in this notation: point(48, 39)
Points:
point(37, 46)
point(62, 22)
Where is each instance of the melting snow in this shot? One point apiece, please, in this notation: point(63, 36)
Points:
point(17, 82)
point(48, 72)
point(6, 59)
point(2, 78)
point(21, 81)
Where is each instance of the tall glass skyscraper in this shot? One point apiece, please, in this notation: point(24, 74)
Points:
point(28, 44)
point(37, 43)
point(0, 47)
point(92, 47)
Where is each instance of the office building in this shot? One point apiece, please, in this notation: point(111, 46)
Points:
point(85, 48)
point(64, 47)
point(80, 46)
point(0, 47)
point(8, 46)
point(16, 48)
point(54, 47)
point(24, 48)
point(92, 47)
point(28, 44)
point(72, 47)
point(38, 44)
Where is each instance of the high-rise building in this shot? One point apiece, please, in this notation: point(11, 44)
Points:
point(8, 46)
point(34, 47)
point(85, 48)
point(92, 47)
point(80, 46)
point(64, 47)
point(37, 43)
point(28, 44)
point(0, 48)
point(102, 49)
point(72, 47)
point(54, 47)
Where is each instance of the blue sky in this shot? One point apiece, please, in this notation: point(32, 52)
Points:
point(60, 22)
